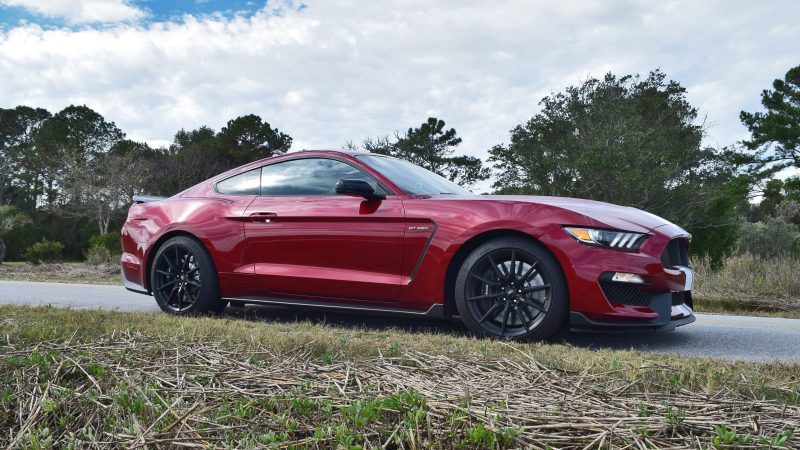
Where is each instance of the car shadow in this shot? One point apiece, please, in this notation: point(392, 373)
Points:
point(644, 341)
point(362, 321)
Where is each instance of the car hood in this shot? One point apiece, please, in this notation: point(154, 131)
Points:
point(612, 216)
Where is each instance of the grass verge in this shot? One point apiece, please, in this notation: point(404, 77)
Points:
point(70, 272)
point(95, 379)
point(749, 284)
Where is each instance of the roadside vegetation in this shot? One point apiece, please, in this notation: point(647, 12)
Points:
point(749, 284)
point(67, 272)
point(94, 379)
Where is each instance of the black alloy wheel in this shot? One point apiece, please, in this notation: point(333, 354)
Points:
point(511, 288)
point(183, 278)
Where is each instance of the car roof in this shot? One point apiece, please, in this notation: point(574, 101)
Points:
point(309, 152)
point(344, 151)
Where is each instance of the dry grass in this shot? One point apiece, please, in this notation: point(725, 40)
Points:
point(95, 379)
point(748, 283)
point(62, 273)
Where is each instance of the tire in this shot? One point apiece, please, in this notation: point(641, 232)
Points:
point(529, 302)
point(184, 280)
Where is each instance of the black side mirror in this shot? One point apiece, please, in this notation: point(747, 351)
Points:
point(357, 188)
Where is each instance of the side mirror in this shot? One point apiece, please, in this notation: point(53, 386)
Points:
point(357, 188)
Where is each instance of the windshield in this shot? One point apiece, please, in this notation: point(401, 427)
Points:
point(411, 178)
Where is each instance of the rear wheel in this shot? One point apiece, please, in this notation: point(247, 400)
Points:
point(184, 280)
point(511, 288)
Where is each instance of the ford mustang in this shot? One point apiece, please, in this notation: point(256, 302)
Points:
point(362, 232)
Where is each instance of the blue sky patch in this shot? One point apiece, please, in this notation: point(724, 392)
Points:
point(13, 13)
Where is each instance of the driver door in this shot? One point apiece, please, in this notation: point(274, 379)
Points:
point(306, 241)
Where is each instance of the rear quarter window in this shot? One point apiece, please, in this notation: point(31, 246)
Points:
point(247, 183)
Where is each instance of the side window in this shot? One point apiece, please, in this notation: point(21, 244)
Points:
point(247, 183)
point(309, 176)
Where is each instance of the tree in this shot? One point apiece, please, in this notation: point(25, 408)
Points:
point(195, 157)
point(10, 219)
point(108, 182)
point(74, 146)
point(21, 167)
point(202, 153)
point(791, 188)
point(631, 141)
point(431, 146)
point(248, 138)
point(66, 145)
point(776, 132)
point(772, 196)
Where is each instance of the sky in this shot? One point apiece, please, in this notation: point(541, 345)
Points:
point(326, 72)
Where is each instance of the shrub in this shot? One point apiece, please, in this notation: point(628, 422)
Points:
point(44, 251)
point(96, 256)
point(109, 241)
point(769, 239)
point(772, 282)
point(789, 211)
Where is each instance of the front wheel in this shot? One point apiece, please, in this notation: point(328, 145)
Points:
point(512, 288)
point(183, 278)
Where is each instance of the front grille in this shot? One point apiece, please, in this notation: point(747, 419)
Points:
point(626, 294)
point(676, 253)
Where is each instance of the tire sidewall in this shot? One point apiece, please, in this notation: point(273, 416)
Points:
point(208, 299)
point(555, 317)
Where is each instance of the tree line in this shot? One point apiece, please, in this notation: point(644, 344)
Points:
point(632, 140)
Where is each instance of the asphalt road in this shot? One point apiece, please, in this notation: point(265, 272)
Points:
point(729, 337)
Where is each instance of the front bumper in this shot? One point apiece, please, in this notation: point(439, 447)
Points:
point(597, 302)
point(669, 317)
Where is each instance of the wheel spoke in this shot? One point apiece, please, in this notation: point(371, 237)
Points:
point(166, 274)
point(169, 263)
point(495, 269)
point(526, 319)
point(484, 280)
point(195, 295)
point(193, 283)
point(533, 305)
point(528, 273)
point(484, 297)
point(490, 312)
point(505, 319)
point(166, 285)
point(538, 288)
point(169, 297)
point(511, 270)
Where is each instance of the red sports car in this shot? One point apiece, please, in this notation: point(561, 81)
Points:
point(365, 232)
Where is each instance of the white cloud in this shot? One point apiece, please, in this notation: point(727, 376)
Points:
point(80, 11)
point(347, 70)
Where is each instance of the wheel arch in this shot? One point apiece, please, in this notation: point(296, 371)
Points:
point(157, 245)
point(471, 244)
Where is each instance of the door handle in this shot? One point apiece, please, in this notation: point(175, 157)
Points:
point(266, 217)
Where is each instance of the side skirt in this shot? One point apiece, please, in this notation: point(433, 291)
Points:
point(436, 311)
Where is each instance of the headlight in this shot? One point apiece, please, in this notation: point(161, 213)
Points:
point(624, 240)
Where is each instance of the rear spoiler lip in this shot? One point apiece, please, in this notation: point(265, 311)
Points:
point(147, 198)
